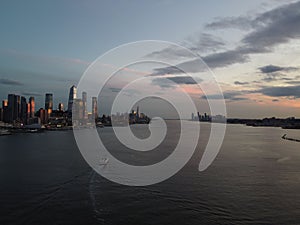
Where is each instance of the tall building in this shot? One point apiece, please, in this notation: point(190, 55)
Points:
point(23, 114)
point(14, 107)
point(84, 105)
point(95, 107)
point(72, 96)
point(32, 107)
point(5, 111)
point(28, 110)
point(61, 107)
point(43, 115)
point(1, 114)
point(77, 113)
point(49, 103)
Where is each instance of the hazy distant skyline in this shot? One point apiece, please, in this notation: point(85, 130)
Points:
point(252, 46)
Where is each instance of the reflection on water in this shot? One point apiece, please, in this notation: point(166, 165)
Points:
point(254, 180)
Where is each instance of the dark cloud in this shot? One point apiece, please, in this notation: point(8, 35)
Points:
point(227, 58)
point(273, 68)
point(199, 44)
point(281, 91)
point(229, 95)
point(115, 89)
point(268, 29)
point(274, 73)
point(183, 80)
point(204, 42)
point(6, 81)
point(221, 59)
point(241, 83)
point(270, 77)
point(294, 82)
point(241, 22)
point(170, 82)
point(30, 93)
point(275, 100)
point(275, 27)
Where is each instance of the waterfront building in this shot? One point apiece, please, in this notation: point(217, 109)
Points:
point(49, 103)
point(95, 107)
point(72, 96)
point(60, 107)
point(23, 114)
point(31, 107)
point(84, 105)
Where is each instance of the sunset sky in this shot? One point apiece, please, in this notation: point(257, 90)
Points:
point(252, 47)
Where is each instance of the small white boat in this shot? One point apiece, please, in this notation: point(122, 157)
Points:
point(4, 132)
point(99, 124)
point(103, 161)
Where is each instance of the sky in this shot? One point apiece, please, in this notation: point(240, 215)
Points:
point(252, 47)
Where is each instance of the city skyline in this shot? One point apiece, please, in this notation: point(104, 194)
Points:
point(16, 108)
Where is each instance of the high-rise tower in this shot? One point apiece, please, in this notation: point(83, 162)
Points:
point(49, 103)
point(95, 107)
point(72, 96)
point(84, 105)
point(31, 107)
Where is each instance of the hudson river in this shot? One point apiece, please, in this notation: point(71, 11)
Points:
point(255, 179)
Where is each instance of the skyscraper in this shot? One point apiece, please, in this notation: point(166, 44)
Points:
point(60, 107)
point(77, 113)
point(1, 114)
point(95, 107)
point(84, 105)
point(5, 111)
point(14, 107)
point(72, 96)
point(32, 107)
point(23, 114)
point(49, 103)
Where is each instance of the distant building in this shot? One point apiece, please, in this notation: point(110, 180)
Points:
point(95, 107)
point(23, 114)
point(5, 117)
point(60, 107)
point(31, 107)
point(84, 105)
point(72, 96)
point(14, 107)
point(77, 113)
point(49, 103)
point(43, 115)
point(1, 114)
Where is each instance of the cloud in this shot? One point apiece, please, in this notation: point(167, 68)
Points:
point(6, 81)
point(229, 95)
point(241, 83)
point(227, 58)
point(294, 82)
point(204, 42)
point(241, 22)
point(270, 77)
point(268, 29)
point(30, 93)
point(275, 100)
point(170, 82)
point(281, 91)
point(116, 90)
point(197, 43)
point(272, 69)
point(274, 73)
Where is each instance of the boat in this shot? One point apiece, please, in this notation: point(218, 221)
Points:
point(290, 139)
point(99, 124)
point(4, 132)
point(103, 161)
